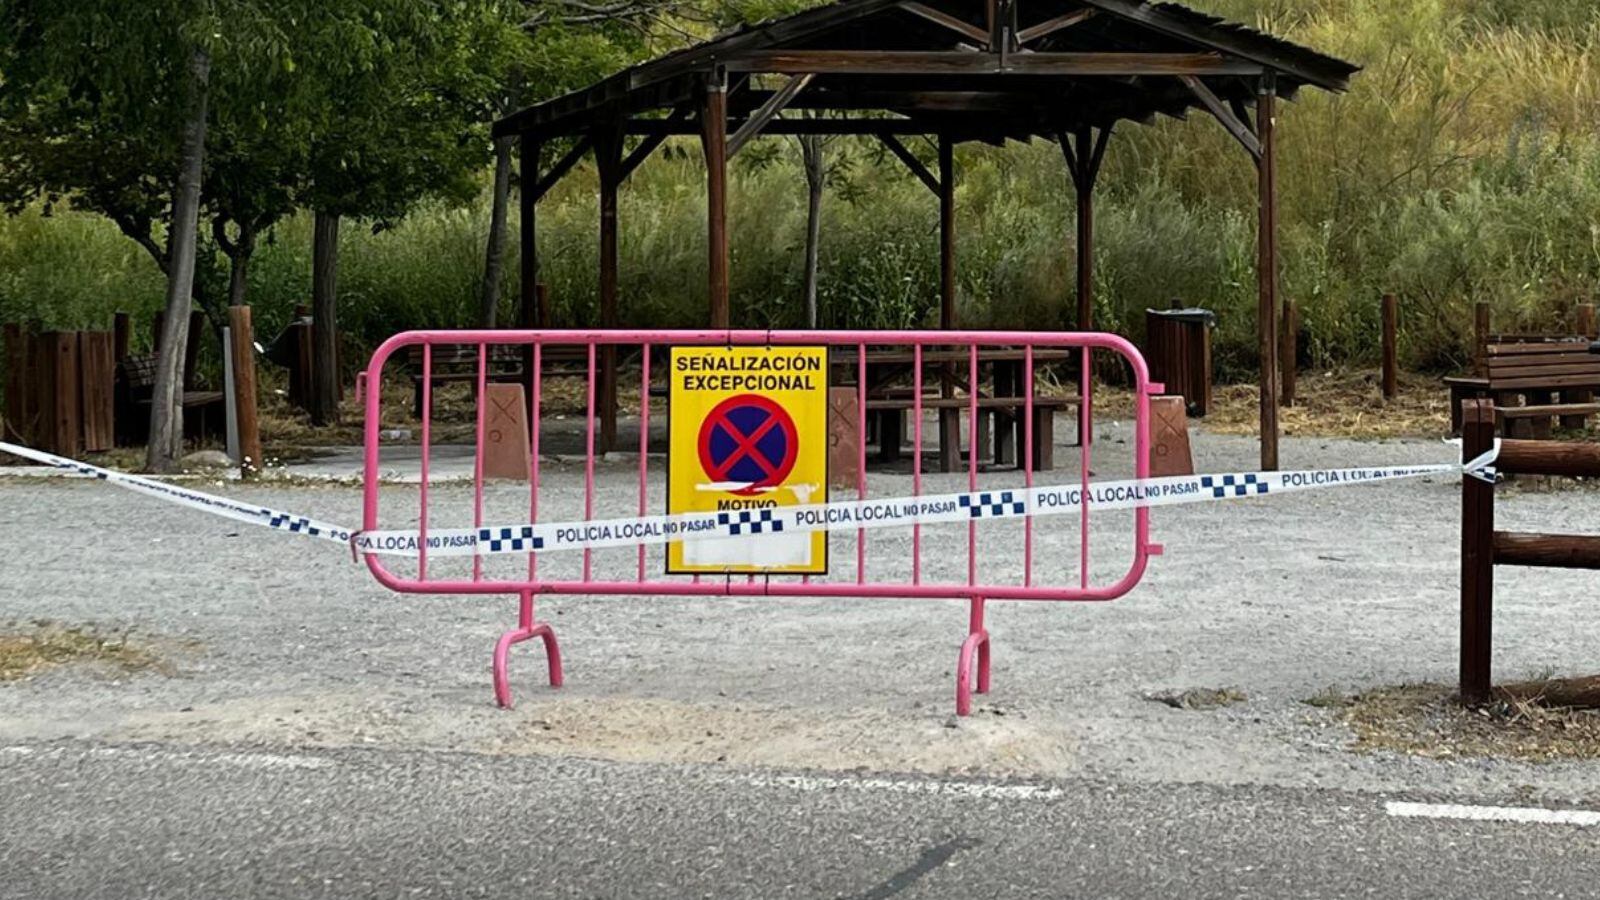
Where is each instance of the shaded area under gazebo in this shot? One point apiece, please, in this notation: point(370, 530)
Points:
point(952, 70)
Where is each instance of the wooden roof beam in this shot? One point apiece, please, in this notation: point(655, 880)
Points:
point(918, 62)
point(1051, 26)
point(911, 161)
point(767, 112)
point(945, 20)
point(1240, 131)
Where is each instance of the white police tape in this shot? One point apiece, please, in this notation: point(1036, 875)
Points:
point(211, 503)
point(843, 515)
point(890, 512)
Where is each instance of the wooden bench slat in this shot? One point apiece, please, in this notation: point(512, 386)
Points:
point(1560, 346)
point(1573, 368)
point(1545, 382)
point(1548, 410)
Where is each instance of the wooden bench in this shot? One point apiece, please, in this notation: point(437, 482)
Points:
point(203, 411)
point(891, 427)
point(1525, 380)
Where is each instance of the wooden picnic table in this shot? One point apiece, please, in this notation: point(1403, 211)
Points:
point(1006, 402)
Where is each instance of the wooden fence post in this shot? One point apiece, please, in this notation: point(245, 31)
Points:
point(121, 335)
point(1290, 352)
point(1391, 323)
point(244, 389)
point(1477, 556)
point(1481, 324)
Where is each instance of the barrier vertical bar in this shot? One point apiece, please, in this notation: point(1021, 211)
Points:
point(861, 455)
point(1027, 462)
point(1477, 556)
point(916, 458)
point(535, 404)
point(1085, 426)
point(477, 462)
point(644, 438)
point(427, 421)
point(972, 457)
point(588, 465)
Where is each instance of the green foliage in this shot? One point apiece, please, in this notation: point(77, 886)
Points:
point(1464, 165)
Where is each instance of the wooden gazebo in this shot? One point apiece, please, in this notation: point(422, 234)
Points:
point(953, 70)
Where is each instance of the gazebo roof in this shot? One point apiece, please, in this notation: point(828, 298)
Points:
point(971, 69)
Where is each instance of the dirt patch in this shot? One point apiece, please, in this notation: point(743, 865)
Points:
point(42, 646)
point(1539, 720)
point(989, 742)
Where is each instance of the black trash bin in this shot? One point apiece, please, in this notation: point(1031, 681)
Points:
point(1177, 346)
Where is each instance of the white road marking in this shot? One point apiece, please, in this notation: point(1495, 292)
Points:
point(1520, 814)
point(241, 760)
point(974, 789)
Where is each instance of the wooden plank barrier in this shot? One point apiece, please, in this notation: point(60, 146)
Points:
point(1483, 548)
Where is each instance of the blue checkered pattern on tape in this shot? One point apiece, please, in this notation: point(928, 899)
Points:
point(1233, 485)
point(501, 540)
point(296, 524)
point(988, 506)
point(750, 521)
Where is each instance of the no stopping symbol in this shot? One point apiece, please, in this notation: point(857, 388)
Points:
point(748, 439)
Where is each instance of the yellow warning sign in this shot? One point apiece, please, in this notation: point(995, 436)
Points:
point(748, 431)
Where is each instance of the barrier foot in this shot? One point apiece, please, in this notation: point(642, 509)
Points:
point(526, 630)
point(977, 643)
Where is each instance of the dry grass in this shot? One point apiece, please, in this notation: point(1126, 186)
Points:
point(44, 645)
point(1341, 404)
point(1345, 404)
point(1539, 720)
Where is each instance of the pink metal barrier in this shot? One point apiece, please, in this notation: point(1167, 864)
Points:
point(1011, 566)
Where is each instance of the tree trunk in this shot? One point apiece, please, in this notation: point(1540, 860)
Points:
point(325, 388)
point(239, 253)
point(811, 150)
point(494, 257)
point(166, 415)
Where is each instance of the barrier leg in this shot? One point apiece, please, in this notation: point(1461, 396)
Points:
point(526, 630)
point(977, 642)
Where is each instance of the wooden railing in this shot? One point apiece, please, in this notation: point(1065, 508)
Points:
point(1482, 547)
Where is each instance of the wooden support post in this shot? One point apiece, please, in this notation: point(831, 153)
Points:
point(1391, 351)
point(1289, 354)
point(1583, 324)
point(1481, 324)
point(947, 233)
point(1267, 269)
point(121, 335)
point(530, 297)
point(608, 156)
point(714, 141)
point(242, 339)
point(17, 427)
point(1085, 261)
point(527, 233)
point(1477, 556)
point(949, 419)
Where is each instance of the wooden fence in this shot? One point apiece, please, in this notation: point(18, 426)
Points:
point(1483, 548)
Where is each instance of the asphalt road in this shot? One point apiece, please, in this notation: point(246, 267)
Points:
point(82, 820)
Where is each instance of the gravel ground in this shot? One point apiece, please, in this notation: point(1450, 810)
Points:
point(280, 642)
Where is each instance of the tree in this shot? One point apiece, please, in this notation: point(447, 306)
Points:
point(567, 44)
point(106, 104)
point(402, 102)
